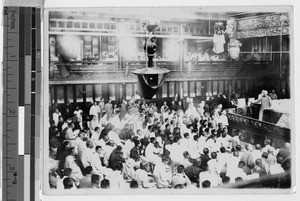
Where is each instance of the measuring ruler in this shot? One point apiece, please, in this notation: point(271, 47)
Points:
point(21, 71)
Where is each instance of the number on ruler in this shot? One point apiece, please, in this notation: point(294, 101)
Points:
point(11, 111)
point(15, 179)
point(11, 168)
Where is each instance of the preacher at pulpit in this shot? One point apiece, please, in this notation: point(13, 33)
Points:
point(265, 102)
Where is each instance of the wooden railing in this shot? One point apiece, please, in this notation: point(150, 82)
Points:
point(170, 65)
point(259, 130)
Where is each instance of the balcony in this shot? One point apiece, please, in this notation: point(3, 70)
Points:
point(115, 71)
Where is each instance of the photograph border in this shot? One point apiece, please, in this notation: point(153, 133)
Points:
point(45, 119)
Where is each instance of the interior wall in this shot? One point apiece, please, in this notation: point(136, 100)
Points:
point(198, 90)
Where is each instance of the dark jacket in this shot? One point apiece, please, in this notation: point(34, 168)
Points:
point(115, 157)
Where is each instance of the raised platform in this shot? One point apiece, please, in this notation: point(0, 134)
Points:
point(279, 113)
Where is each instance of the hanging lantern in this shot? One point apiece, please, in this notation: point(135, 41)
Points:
point(151, 78)
point(234, 48)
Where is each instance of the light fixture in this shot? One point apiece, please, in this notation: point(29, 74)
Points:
point(150, 78)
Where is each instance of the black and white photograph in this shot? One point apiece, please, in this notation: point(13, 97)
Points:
point(168, 100)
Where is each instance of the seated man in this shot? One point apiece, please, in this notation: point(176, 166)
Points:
point(205, 184)
point(180, 177)
point(194, 170)
point(141, 175)
point(68, 183)
point(212, 177)
point(95, 181)
point(86, 180)
point(152, 153)
point(116, 157)
point(162, 174)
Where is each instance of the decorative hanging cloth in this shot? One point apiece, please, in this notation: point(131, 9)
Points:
point(219, 41)
point(234, 48)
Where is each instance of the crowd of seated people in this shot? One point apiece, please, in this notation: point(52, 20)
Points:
point(206, 55)
point(105, 57)
point(256, 56)
point(138, 145)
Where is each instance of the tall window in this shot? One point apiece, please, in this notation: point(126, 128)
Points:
point(70, 93)
point(112, 91)
point(165, 90)
point(89, 93)
point(192, 89)
point(60, 94)
point(98, 92)
point(79, 93)
point(108, 48)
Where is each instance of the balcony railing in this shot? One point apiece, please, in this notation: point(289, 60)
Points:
point(170, 65)
point(260, 129)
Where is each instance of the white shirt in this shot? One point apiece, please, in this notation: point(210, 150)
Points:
point(201, 144)
point(94, 110)
point(215, 180)
point(223, 158)
point(86, 157)
point(108, 150)
point(237, 173)
point(115, 137)
point(70, 163)
point(95, 136)
point(176, 152)
point(116, 180)
point(224, 141)
point(193, 149)
point(213, 166)
point(212, 145)
point(276, 169)
point(232, 166)
point(55, 117)
point(94, 124)
point(162, 175)
point(224, 120)
point(151, 153)
point(141, 176)
point(96, 163)
point(256, 154)
point(78, 113)
point(115, 120)
point(70, 135)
